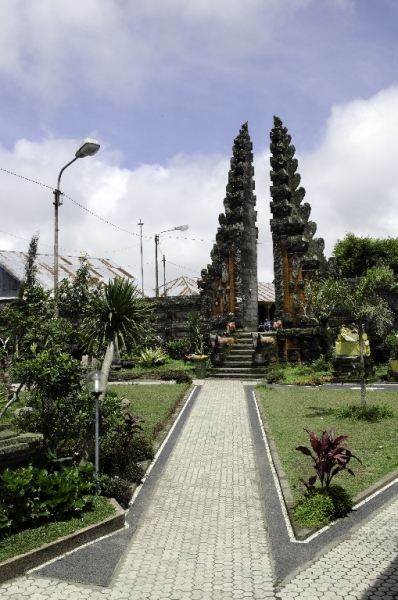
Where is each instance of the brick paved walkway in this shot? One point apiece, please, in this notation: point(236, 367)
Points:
point(203, 535)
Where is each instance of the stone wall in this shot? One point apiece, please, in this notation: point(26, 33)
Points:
point(171, 315)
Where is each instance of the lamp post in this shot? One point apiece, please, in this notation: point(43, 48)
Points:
point(88, 147)
point(178, 228)
point(94, 382)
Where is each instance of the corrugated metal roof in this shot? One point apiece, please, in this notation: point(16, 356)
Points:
point(183, 286)
point(266, 292)
point(186, 286)
point(101, 269)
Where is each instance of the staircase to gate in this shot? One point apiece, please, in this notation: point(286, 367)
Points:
point(238, 362)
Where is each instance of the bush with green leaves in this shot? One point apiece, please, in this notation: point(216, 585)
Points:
point(178, 349)
point(31, 495)
point(118, 488)
point(323, 506)
point(365, 413)
point(122, 447)
point(275, 376)
point(152, 358)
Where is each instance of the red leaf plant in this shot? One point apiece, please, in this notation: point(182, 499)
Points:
point(330, 457)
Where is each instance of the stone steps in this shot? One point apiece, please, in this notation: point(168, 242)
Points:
point(238, 363)
point(15, 447)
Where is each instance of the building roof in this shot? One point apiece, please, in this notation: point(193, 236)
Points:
point(266, 292)
point(183, 286)
point(186, 286)
point(101, 269)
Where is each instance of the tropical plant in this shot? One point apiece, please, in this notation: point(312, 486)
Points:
point(197, 332)
point(359, 301)
point(330, 457)
point(30, 495)
point(152, 358)
point(116, 318)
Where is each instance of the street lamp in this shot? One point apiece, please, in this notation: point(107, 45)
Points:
point(178, 228)
point(95, 384)
point(88, 147)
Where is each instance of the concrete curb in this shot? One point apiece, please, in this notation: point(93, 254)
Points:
point(299, 532)
point(19, 565)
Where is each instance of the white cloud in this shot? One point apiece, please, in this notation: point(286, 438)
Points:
point(351, 178)
point(114, 48)
point(350, 181)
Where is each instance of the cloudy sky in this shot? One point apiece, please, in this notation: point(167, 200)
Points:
point(165, 86)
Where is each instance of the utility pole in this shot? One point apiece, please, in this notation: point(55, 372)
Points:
point(164, 275)
point(142, 264)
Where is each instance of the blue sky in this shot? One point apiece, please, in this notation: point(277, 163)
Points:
point(165, 86)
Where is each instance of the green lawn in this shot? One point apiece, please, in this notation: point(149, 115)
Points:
point(154, 403)
point(291, 410)
point(30, 539)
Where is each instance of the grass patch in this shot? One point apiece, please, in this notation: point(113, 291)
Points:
point(154, 403)
point(290, 410)
point(30, 539)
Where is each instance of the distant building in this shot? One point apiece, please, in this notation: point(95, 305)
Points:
point(12, 270)
point(183, 286)
point(186, 286)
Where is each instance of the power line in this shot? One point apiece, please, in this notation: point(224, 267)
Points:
point(91, 212)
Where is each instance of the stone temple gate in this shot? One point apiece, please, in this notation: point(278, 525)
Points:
point(229, 284)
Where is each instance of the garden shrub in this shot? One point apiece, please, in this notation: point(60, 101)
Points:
point(358, 412)
point(118, 488)
point(177, 376)
point(321, 364)
point(30, 495)
point(178, 349)
point(323, 506)
point(275, 376)
point(315, 510)
point(122, 447)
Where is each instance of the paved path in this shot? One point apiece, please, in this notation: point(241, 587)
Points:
point(203, 535)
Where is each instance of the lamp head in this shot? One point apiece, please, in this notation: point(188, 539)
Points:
point(88, 147)
point(95, 382)
point(181, 227)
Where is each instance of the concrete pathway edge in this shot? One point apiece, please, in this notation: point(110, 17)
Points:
point(19, 565)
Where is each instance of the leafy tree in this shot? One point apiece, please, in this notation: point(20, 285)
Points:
point(361, 303)
point(31, 335)
point(355, 255)
point(116, 319)
point(75, 295)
